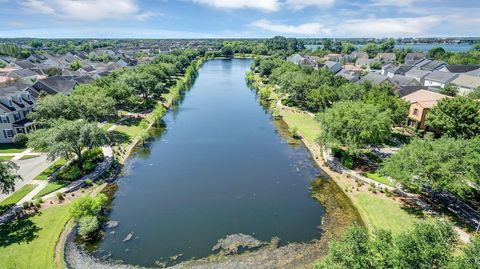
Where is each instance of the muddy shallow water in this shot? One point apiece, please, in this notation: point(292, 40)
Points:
point(222, 167)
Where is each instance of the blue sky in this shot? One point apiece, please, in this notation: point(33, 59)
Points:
point(238, 18)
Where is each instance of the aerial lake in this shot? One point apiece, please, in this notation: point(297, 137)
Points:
point(222, 166)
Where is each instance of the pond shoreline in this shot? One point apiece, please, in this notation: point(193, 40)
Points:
point(339, 213)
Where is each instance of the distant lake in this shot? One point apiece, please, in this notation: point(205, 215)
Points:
point(424, 47)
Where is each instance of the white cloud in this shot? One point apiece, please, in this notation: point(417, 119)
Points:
point(391, 27)
point(88, 10)
point(313, 28)
point(395, 3)
point(265, 5)
point(301, 4)
point(37, 6)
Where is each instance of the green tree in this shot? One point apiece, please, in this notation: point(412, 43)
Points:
point(75, 65)
point(354, 125)
point(475, 47)
point(450, 90)
point(436, 53)
point(87, 206)
point(371, 49)
point(8, 175)
point(470, 258)
point(426, 246)
point(348, 48)
point(456, 117)
point(88, 226)
point(53, 71)
point(443, 164)
point(68, 137)
point(475, 94)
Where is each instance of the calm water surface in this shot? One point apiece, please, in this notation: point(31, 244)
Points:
point(220, 168)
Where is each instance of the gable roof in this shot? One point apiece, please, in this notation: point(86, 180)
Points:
point(461, 68)
point(442, 77)
point(401, 81)
point(433, 65)
point(426, 98)
point(386, 56)
point(373, 78)
point(22, 73)
point(55, 84)
point(466, 81)
point(417, 73)
point(406, 90)
point(25, 64)
point(335, 67)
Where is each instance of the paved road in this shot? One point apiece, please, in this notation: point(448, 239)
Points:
point(29, 169)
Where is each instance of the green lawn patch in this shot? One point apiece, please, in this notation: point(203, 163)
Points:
point(11, 148)
point(379, 178)
point(306, 125)
point(15, 197)
point(30, 242)
point(131, 131)
point(6, 158)
point(26, 157)
point(107, 126)
point(51, 169)
point(51, 187)
point(384, 213)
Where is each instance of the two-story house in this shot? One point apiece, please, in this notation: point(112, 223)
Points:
point(15, 104)
point(420, 103)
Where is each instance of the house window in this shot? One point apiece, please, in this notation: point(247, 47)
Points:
point(25, 113)
point(415, 112)
point(8, 133)
point(16, 116)
point(10, 104)
point(4, 119)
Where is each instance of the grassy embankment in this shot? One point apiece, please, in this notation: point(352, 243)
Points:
point(30, 242)
point(376, 209)
point(15, 197)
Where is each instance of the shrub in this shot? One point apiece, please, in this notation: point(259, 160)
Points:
point(95, 155)
point(88, 166)
point(87, 206)
point(70, 173)
point(264, 93)
point(88, 226)
point(60, 196)
point(20, 140)
point(88, 182)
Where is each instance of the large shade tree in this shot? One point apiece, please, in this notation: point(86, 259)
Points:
point(354, 125)
point(65, 138)
point(444, 164)
point(456, 117)
point(8, 176)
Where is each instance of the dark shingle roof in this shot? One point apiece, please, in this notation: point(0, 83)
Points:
point(25, 64)
point(58, 84)
point(461, 68)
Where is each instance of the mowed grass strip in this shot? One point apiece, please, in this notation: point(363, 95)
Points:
point(307, 126)
point(29, 243)
point(15, 197)
point(384, 213)
point(11, 148)
point(51, 187)
point(51, 169)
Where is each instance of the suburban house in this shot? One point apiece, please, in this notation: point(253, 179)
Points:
point(420, 103)
point(299, 59)
point(365, 62)
point(466, 84)
point(335, 57)
point(475, 73)
point(398, 70)
point(359, 54)
point(22, 64)
point(373, 78)
point(24, 75)
point(348, 75)
point(403, 81)
point(386, 57)
point(433, 65)
point(414, 57)
point(439, 79)
point(417, 74)
point(15, 104)
point(55, 85)
point(460, 68)
point(335, 67)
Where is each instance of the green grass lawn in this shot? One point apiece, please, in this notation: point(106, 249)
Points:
point(11, 148)
point(379, 178)
point(384, 213)
point(30, 243)
point(26, 157)
point(51, 187)
point(51, 169)
point(107, 126)
point(131, 131)
point(6, 158)
point(15, 197)
point(306, 125)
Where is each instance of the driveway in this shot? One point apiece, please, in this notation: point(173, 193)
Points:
point(29, 169)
